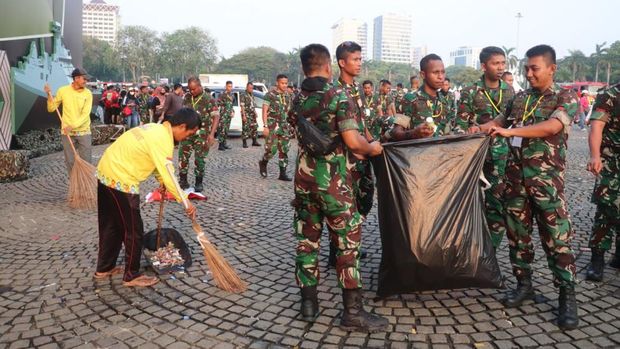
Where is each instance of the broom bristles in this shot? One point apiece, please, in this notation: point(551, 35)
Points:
point(223, 273)
point(82, 185)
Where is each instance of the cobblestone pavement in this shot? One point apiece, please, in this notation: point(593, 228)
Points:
point(48, 298)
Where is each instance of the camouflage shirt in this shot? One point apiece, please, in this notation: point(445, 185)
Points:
point(450, 102)
point(143, 104)
point(606, 108)
point(424, 106)
point(279, 104)
point(386, 101)
point(479, 105)
point(329, 109)
point(247, 103)
point(398, 99)
point(371, 106)
point(225, 102)
point(543, 158)
point(205, 106)
point(406, 106)
point(355, 101)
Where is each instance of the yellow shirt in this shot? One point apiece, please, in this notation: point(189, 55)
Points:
point(134, 156)
point(76, 106)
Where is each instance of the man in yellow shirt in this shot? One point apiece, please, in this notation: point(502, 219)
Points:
point(76, 102)
point(131, 159)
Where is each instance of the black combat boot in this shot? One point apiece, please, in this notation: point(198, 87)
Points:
point(183, 181)
point(245, 143)
point(524, 291)
point(568, 318)
point(615, 262)
point(355, 318)
point(309, 303)
point(597, 264)
point(221, 146)
point(255, 142)
point(198, 185)
point(262, 168)
point(283, 175)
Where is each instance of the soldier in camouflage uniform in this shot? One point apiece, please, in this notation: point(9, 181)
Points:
point(248, 116)
point(372, 110)
point(479, 104)
point(449, 96)
point(276, 128)
point(426, 105)
point(398, 97)
point(225, 103)
point(143, 105)
point(199, 143)
point(324, 192)
point(386, 99)
point(604, 162)
point(540, 119)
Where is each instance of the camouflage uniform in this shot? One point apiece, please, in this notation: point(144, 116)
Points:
point(385, 102)
point(279, 137)
point(225, 103)
point(250, 125)
point(420, 106)
point(476, 107)
point(371, 115)
point(208, 110)
point(535, 184)
point(363, 182)
point(324, 189)
point(398, 99)
point(451, 102)
point(143, 108)
point(606, 194)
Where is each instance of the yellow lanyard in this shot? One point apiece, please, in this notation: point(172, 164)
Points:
point(368, 101)
point(526, 113)
point(495, 106)
point(196, 102)
point(435, 108)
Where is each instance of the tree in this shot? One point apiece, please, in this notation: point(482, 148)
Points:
point(511, 59)
point(185, 52)
point(394, 72)
point(100, 59)
point(576, 60)
point(260, 63)
point(137, 49)
point(598, 57)
point(461, 75)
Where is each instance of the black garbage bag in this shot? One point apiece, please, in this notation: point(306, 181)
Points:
point(168, 235)
point(431, 216)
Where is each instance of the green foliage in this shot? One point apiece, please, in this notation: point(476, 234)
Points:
point(261, 64)
point(185, 52)
point(462, 76)
point(100, 60)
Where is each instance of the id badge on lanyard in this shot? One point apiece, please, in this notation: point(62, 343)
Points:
point(516, 141)
point(367, 111)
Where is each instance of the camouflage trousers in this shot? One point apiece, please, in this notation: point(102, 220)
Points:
point(363, 186)
point(542, 199)
point(344, 224)
point(495, 172)
point(606, 196)
point(249, 127)
point(278, 141)
point(223, 127)
point(198, 144)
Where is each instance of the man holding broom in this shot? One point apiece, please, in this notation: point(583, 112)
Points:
point(131, 159)
point(76, 103)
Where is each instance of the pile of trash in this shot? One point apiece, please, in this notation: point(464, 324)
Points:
point(165, 257)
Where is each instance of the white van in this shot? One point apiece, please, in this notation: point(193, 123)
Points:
point(236, 122)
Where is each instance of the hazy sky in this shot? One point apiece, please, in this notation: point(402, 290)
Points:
point(441, 25)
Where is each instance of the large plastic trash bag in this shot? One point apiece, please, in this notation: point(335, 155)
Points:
point(431, 216)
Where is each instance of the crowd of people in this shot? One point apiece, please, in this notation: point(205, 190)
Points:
point(339, 125)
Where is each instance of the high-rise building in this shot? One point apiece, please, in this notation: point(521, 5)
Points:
point(417, 54)
point(350, 29)
point(466, 56)
point(100, 20)
point(392, 38)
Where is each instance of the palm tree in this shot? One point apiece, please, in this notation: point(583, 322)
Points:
point(512, 60)
point(598, 57)
point(576, 60)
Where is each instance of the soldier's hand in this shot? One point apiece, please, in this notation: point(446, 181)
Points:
point(376, 149)
point(595, 165)
point(210, 140)
point(500, 131)
point(190, 210)
point(423, 130)
point(265, 132)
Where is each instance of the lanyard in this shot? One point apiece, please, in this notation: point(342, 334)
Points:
point(368, 101)
point(495, 106)
point(435, 108)
point(526, 113)
point(196, 102)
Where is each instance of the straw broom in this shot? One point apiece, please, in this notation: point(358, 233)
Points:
point(223, 273)
point(82, 181)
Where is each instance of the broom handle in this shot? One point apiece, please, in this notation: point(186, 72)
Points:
point(195, 224)
point(68, 137)
point(160, 217)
